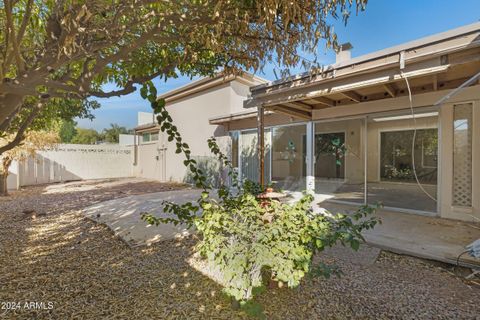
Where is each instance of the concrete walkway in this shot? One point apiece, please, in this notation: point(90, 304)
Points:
point(426, 237)
point(123, 216)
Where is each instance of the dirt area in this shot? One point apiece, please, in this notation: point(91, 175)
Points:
point(55, 255)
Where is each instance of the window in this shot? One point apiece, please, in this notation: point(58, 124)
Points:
point(146, 137)
point(462, 155)
point(149, 137)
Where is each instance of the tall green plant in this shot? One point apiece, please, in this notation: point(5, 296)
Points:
point(249, 240)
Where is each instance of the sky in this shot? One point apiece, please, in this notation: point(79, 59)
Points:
point(383, 24)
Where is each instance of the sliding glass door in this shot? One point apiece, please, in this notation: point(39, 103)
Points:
point(288, 157)
point(403, 160)
point(248, 149)
point(339, 161)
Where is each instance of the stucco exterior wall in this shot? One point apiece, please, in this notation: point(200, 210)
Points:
point(191, 115)
point(238, 92)
point(149, 161)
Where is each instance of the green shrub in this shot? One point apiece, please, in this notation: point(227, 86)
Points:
point(250, 240)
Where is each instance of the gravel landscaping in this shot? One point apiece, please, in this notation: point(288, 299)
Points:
point(51, 253)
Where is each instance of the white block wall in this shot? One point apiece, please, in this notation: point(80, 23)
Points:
point(73, 162)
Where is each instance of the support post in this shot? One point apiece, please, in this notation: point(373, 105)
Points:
point(310, 158)
point(365, 161)
point(261, 145)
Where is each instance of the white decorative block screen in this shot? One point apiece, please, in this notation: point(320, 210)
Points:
point(462, 155)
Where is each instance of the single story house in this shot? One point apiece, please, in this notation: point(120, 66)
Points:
point(391, 126)
point(190, 106)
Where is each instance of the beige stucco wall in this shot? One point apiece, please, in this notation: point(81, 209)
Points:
point(191, 116)
point(149, 161)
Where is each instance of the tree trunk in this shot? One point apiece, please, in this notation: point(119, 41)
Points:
point(3, 177)
point(3, 185)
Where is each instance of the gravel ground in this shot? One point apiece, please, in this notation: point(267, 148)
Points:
point(56, 255)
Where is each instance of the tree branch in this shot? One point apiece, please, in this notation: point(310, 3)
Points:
point(21, 131)
point(129, 86)
point(6, 123)
point(15, 48)
point(26, 17)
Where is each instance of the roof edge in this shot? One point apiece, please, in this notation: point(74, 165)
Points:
point(209, 82)
point(420, 42)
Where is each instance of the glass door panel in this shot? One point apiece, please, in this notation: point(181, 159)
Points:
point(288, 157)
point(339, 161)
point(403, 160)
point(248, 148)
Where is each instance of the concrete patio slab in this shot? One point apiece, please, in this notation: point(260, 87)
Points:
point(123, 216)
point(421, 236)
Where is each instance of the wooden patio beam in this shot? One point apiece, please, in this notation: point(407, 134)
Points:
point(391, 90)
point(299, 105)
point(291, 112)
point(352, 95)
point(324, 101)
point(435, 82)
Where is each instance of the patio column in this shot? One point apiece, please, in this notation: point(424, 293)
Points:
point(365, 161)
point(261, 145)
point(310, 158)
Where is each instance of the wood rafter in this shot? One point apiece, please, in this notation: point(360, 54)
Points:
point(323, 101)
point(291, 112)
point(299, 105)
point(391, 90)
point(352, 95)
point(435, 82)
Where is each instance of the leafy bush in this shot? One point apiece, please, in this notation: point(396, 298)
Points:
point(251, 240)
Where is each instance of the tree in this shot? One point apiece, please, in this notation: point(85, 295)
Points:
point(86, 136)
point(34, 141)
point(38, 116)
point(67, 130)
point(69, 49)
point(111, 134)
